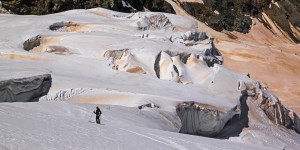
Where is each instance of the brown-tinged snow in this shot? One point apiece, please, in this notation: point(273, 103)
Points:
point(102, 57)
point(269, 55)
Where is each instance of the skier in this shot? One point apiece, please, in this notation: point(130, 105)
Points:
point(98, 114)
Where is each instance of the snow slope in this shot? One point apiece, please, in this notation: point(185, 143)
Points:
point(75, 57)
point(87, 68)
point(61, 125)
point(262, 52)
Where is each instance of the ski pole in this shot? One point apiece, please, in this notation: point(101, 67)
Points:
point(100, 118)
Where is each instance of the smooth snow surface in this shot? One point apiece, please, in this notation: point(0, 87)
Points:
point(61, 125)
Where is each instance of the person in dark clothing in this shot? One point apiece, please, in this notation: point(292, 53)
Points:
point(98, 114)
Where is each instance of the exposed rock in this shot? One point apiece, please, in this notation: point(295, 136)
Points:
point(40, 7)
point(44, 43)
point(190, 38)
point(285, 15)
point(155, 22)
point(25, 89)
point(212, 55)
point(3, 10)
point(150, 105)
point(271, 105)
point(233, 15)
point(32, 42)
point(201, 119)
point(62, 26)
point(158, 6)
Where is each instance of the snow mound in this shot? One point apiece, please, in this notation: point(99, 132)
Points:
point(179, 66)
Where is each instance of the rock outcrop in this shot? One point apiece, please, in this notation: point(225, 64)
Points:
point(212, 55)
point(3, 10)
point(32, 42)
point(40, 7)
point(63, 26)
point(236, 15)
point(201, 119)
point(25, 89)
point(285, 15)
point(233, 15)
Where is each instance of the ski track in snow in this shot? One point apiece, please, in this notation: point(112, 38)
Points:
point(168, 143)
point(62, 125)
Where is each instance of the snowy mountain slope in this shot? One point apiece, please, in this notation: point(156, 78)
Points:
point(104, 57)
point(88, 66)
point(272, 28)
point(264, 50)
point(60, 125)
